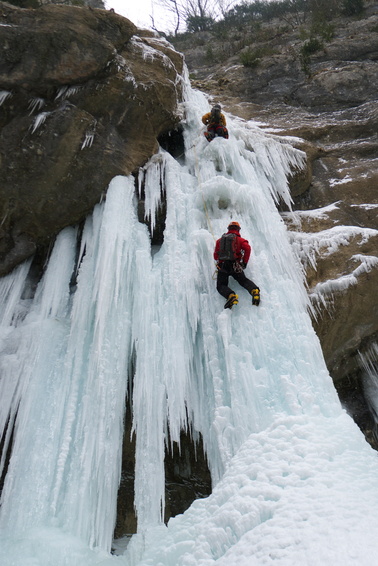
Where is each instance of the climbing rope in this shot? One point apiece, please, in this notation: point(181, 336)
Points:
point(202, 194)
point(214, 276)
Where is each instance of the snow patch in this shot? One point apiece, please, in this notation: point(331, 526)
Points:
point(325, 290)
point(308, 246)
point(335, 182)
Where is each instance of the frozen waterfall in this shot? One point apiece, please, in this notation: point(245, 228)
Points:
point(114, 316)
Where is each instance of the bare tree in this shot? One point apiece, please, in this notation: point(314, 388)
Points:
point(225, 6)
point(186, 10)
point(174, 7)
point(200, 8)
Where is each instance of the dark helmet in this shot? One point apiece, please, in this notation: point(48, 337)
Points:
point(234, 225)
point(217, 107)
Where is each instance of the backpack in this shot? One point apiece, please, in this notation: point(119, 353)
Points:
point(228, 247)
point(215, 116)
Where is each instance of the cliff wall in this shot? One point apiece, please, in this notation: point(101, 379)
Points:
point(325, 99)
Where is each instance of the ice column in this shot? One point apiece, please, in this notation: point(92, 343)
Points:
point(67, 369)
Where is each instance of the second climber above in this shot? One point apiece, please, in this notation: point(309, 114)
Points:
point(216, 123)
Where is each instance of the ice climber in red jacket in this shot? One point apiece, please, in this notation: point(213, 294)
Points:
point(232, 253)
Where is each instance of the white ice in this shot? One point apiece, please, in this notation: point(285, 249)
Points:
point(88, 140)
point(346, 179)
point(294, 481)
point(319, 213)
point(4, 94)
point(308, 246)
point(67, 91)
point(36, 103)
point(38, 121)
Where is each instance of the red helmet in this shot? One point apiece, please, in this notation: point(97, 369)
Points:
point(234, 225)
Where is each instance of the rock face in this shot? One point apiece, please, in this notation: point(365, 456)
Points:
point(328, 103)
point(84, 96)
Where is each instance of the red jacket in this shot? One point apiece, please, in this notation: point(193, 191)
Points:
point(242, 245)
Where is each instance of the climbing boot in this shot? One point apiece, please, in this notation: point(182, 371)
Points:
point(255, 297)
point(231, 301)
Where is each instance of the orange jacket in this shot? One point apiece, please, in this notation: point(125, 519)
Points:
point(206, 119)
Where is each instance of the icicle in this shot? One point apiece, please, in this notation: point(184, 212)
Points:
point(153, 179)
point(39, 120)
point(11, 312)
point(11, 287)
point(89, 138)
point(67, 91)
point(4, 94)
point(36, 104)
point(369, 362)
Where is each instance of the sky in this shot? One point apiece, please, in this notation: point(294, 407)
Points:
point(140, 13)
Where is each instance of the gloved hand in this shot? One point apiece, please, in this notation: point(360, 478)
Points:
point(243, 265)
point(218, 266)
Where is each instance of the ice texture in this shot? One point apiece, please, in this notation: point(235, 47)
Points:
point(294, 481)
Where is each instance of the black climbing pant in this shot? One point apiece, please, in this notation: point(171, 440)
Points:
point(228, 270)
point(217, 130)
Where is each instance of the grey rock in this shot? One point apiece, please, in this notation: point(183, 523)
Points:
point(80, 104)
